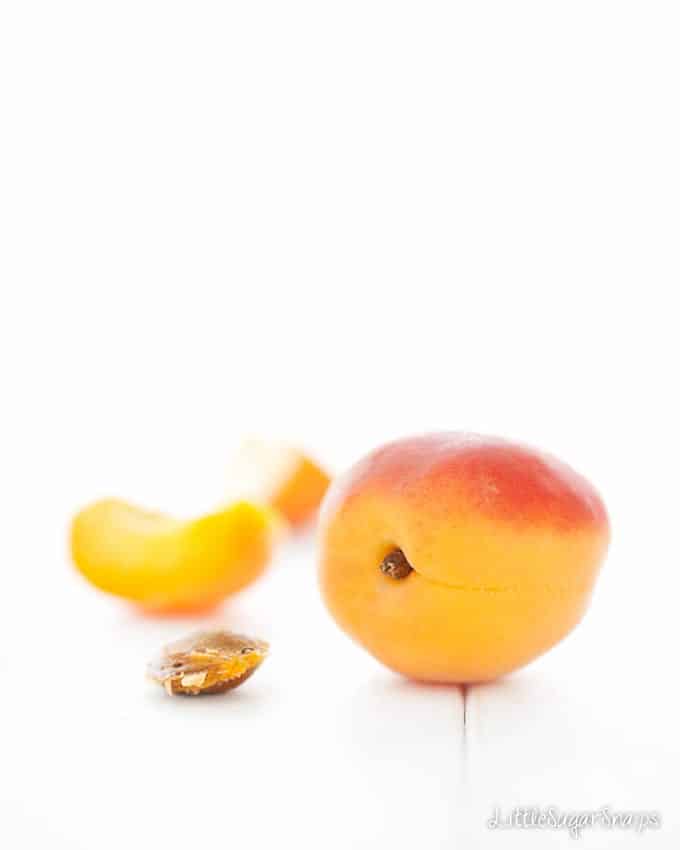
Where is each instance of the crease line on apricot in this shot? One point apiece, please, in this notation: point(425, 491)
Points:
point(489, 588)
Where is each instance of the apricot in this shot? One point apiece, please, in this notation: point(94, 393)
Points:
point(459, 558)
point(281, 476)
point(164, 564)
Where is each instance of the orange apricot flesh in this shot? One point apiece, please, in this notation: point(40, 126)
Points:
point(167, 565)
point(458, 558)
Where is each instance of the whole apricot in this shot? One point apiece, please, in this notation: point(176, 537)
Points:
point(455, 557)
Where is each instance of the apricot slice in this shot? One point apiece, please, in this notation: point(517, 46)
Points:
point(459, 558)
point(163, 563)
point(207, 663)
point(280, 476)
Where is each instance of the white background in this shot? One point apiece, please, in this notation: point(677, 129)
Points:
point(332, 224)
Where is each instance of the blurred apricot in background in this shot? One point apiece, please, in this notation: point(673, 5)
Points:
point(280, 476)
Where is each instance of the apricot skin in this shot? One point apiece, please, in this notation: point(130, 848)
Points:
point(166, 565)
point(505, 544)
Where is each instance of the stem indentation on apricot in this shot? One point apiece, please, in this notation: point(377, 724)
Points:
point(395, 565)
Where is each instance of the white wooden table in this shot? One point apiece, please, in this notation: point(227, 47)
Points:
point(323, 747)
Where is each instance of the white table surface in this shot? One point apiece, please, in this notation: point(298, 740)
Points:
point(322, 747)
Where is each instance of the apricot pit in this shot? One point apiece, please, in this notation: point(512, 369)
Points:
point(208, 662)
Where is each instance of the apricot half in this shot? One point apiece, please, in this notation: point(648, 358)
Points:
point(459, 558)
point(281, 476)
point(164, 564)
